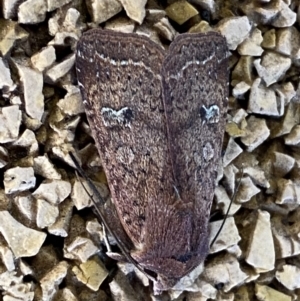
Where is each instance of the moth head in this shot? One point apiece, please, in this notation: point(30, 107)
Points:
point(162, 284)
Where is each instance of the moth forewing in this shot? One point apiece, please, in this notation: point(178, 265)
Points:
point(158, 120)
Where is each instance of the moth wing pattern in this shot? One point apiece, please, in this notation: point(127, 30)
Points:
point(131, 90)
point(195, 97)
point(120, 81)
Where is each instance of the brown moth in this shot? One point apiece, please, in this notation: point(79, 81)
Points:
point(158, 120)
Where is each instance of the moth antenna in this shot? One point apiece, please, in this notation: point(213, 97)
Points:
point(122, 247)
point(228, 209)
point(91, 197)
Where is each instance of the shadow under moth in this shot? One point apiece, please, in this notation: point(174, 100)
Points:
point(158, 120)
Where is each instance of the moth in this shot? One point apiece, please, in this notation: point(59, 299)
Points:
point(158, 118)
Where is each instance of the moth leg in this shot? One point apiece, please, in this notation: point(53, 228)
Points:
point(110, 253)
point(107, 244)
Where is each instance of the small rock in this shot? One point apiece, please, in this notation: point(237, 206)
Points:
point(289, 276)
point(263, 100)
point(46, 214)
point(3, 157)
point(53, 191)
point(223, 201)
point(9, 9)
point(63, 130)
point(154, 15)
point(32, 81)
point(225, 270)
point(80, 197)
point(128, 268)
point(92, 273)
point(290, 119)
point(72, 103)
point(62, 152)
point(72, 17)
point(60, 69)
point(240, 89)
point(235, 30)
point(252, 44)
point(233, 130)
point(32, 11)
point(202, 26)
point(232, 151)
point(89, 154)
point(81, 249)
point(287, 92)
point(282, 164)
point(61, 226)
point(103, 10)
point(272, 67)
point(285, 17)
point(266, 293)
point(121, 25)
point(33, 124)
point(228, 237)
point(23, 241)
point(187, 282)
point(267, 14)
point(26, 205)
point(13, 288)
point(10, 32)
point(7, 258)
point(25, 268)
point(10, 121)
point(246, 190)
point(96, 230)
point(239, 116)
point(5, 78)
point(54, 4)
point(135, 9)
point(66, 294)
point(18, 179)
point(243, 70)
point(165, 29)
point(61, 38)
point(206, 292)
point(121, 288)
point(256, 133)
point(152, 34)
point(262, 259)
point(293, 138)
point(65, 24)
point(99, 233)
point(288, 42)
point(269, 39)
point(257, 175)
point(244, 293)
point(45, 168)
point(287, 192)
point(44, 58)
point(181, 11)
point(29, 141)
point(287, 244)
point(16, 100)
point(51, 281)
point(230, 173)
